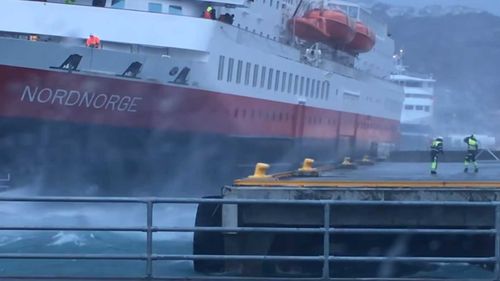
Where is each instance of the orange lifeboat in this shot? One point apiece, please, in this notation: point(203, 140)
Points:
point(332, 27)
point(310, 29)
point(363, 41)
point(338, 25)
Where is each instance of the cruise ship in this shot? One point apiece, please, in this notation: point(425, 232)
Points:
point(169, 95)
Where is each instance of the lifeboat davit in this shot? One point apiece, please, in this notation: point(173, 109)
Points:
point(339, 26)
point(363, 41)
point(309, 29)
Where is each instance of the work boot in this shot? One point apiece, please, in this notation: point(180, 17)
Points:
point(466, 170)
point(433, 172)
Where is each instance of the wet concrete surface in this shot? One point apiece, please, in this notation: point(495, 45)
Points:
point(391, 171)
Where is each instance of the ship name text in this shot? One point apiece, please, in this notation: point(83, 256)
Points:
point(70, 98)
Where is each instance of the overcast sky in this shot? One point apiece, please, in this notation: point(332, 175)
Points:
point(492, 6)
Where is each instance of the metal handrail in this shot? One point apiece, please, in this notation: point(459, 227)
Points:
point(326, 229)
point(323, 202)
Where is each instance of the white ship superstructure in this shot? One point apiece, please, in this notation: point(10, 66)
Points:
point(418, 107)
point(163, 67)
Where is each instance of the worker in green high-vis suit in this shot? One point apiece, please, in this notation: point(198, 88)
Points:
point(436, 149)
point(470, 157)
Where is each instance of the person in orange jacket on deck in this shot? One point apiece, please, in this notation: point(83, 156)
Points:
point(93, 41)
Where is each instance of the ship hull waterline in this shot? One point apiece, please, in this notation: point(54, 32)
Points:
point(74, 133)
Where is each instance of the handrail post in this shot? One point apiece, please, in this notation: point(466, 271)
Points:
point(149, 241)
point(326, 242)
point(497, 242)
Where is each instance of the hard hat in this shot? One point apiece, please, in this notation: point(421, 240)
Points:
point(439, 138)
point(209, 8)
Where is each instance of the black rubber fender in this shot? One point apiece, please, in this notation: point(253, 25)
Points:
point(208, 243)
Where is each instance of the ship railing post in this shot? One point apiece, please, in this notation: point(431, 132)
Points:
point(326, 242)
point(149, 240)
point(497, 242)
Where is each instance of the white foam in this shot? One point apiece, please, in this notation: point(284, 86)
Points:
point(63, 238)
point(6, 240)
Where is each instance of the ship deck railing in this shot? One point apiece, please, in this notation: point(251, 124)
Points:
point(149, 257)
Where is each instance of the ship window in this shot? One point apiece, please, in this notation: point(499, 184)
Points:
point(327, 90)
point(313, 87)
point(270, 3)
point(175, 10)
point(419, 107)
point(270, 79)
point(236, 113)
point(277, 82)
point(118, 4)
point(427, 108)
point(409, 107)
point(301, 85)
point(255, 75)
point(324, 89)
point(295, 84)
point(221, 68)
point(308, 81)
point(277, 4)
point(317, 90)
point(239, 69)
point(247, 73)
point(415, 84)
point(263, 77)
point(283, 82)
point(155, 7)
point(290, 77)
point(230, 70)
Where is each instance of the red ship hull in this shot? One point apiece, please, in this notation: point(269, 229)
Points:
point(134, 132)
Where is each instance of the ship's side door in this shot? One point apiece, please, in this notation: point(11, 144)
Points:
point(298, 119)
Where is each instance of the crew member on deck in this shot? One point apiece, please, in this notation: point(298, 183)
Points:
point(93, 41)
point(209, 13)
point(436, 149)
point(470, 157)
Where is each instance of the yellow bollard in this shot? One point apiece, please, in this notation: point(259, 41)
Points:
point(307, 169)
point(260, 171)
point(347, 164)
point(347, 161)
point(307, 165)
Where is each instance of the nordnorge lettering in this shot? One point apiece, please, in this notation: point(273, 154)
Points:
point(64, 97)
